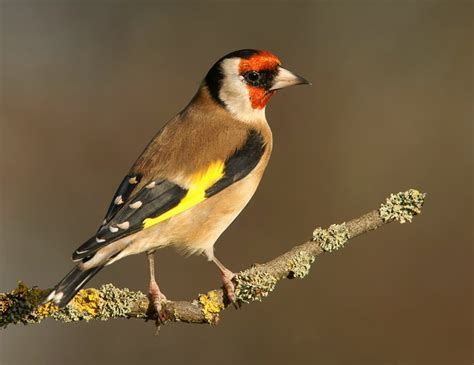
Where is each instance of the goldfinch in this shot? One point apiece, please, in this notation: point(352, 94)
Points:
point(194, 177)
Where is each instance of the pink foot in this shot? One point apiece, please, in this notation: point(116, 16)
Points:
point(227, 277)
point(156, 298)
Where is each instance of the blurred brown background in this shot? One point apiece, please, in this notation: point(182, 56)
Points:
point(84, 87)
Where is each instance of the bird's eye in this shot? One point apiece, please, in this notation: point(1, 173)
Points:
point(252, 77)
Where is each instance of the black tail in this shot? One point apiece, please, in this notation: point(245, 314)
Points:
point(67, 288)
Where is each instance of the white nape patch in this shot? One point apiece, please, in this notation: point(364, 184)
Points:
point(136, 205)
point(118, 200)
point(235, 95)
point(133, 180)
point(99, 240)
point(113, 229)
point(124, 225)
point(151, 185)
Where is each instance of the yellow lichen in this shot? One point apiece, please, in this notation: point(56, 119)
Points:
point(21, 305)
point(88, 301)
point(211, 306)
point(46, 310)
point(5, 303)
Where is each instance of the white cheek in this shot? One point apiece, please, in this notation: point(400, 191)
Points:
point(234, 93)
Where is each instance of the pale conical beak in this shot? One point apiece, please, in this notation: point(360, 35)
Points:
point(286, 78)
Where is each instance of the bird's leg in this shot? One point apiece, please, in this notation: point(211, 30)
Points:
point(155, 295)
point(227, 277)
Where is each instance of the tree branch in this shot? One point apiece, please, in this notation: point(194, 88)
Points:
point(253, 284)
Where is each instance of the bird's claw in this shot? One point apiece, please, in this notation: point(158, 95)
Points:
point(155, 306)
point(229, 287)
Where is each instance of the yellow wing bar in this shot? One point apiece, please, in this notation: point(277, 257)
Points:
point(200, 182)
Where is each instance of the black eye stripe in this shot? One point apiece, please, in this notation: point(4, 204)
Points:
point(263, 78)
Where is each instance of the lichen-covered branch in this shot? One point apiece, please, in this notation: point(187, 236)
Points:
point(253, 284)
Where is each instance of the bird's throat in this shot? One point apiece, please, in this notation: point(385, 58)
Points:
point(259, 97)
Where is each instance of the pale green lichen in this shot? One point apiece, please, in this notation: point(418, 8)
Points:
point(211, 306)
point(300, 264)
point(21, 305)
point(102, 304)
point(119, 302)
point(402, 206)
point(333, 238)
point(254, 284)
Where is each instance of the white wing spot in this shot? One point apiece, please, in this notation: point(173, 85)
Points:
point(151, 185)
point(136, 205)
point(133, 180)
point(118, 200)
point(104, 222)
point(113, 229)
point(124, 225)
point(99, 240)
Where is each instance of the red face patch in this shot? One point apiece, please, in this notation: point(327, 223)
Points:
point(260, 61)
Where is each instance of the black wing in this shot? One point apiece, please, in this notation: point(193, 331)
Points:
point(125, 217)
point(241, 163)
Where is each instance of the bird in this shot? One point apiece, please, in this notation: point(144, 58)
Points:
point(193, 179)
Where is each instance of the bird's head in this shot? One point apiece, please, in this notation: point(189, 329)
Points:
point(243, 82)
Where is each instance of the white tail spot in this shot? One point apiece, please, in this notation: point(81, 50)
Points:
point(57, 297)
point(50, 296)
